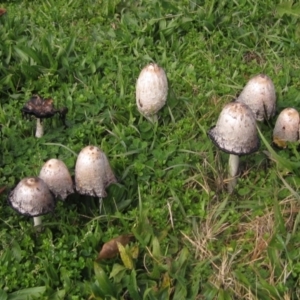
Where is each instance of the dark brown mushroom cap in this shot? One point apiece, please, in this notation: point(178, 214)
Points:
point(56, 175)
point(39, 107)
point(32, 197)
point(235, 131)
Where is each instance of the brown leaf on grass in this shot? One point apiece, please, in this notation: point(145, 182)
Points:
point(2, 189)
point(2, 11)
point(110, 249)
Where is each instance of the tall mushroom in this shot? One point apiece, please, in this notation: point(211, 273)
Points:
point(151, 91)
point(32, 197)
point(57, 176)
point(93, 173)
point(286, 127)
point(235, 133)
point(259, 94)
point(42, 109)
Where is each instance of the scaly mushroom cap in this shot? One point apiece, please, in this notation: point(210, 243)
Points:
point(151, 89)
point(56, 175)
point(93, 172)
point(259, 95)
point(39, 107)
point(32, 197)
point(286, 127)
point(235, 131)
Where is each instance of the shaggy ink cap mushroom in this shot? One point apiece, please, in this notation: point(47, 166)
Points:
point(236, 134)
point(151, 90)
point(259, 94)
point(57, 176)
point(235, 131)
point(93, 173)
point(286, 127)
point(32, 197)
point(42, 109)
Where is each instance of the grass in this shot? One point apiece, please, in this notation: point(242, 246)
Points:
point(192, 240)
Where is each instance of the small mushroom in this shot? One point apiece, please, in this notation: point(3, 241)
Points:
point(286, 127)
point(42, 109)
point(93, 173)
point(57, 176)
point(259, 95)
point(32, 197)
point(151, 91)
point(235, 133)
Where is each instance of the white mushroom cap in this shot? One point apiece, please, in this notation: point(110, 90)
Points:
point(93, 172)
point(56, 175)
point(32, 197)
point(286, 127)
point(235, 131)
point(151, 89)
point(259, 95)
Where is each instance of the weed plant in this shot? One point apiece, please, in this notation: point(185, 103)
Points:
point(192, 240)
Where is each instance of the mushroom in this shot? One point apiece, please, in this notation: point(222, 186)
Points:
point(286, 127)
point(32, 197)
point(93, 173)
point(259, 95)
point(42, 109)
point(57, 176)
point(235, 133)
point(151, 91)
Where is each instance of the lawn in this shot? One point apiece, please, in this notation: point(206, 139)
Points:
point(182, 234)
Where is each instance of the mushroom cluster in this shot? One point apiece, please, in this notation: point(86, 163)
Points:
point(35, 196)
point(235, 131)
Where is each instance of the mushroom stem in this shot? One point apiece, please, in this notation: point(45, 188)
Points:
point(100, 204)
point(233, 167)
point(152, 118)
point(37, 221)
point(39, 132)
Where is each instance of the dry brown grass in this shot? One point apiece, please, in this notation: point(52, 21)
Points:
point(253, 237)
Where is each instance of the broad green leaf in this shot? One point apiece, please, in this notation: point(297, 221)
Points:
point(117, 273)
point(27, 293)
point(288, 8)
point(104, 283)
point(3, 295)
point(126, 259)
point(134, 251)
point(70, 45)
point(133, 287)
point(155, 247)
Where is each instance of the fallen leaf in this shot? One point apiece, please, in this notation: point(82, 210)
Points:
point(2, 11)
point(110, 249)
point(2, 189)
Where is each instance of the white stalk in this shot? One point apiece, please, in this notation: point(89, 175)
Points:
point(233, 167)
point(39, 128)
point(37, 221)
point(152, 118)
point(100, 204)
